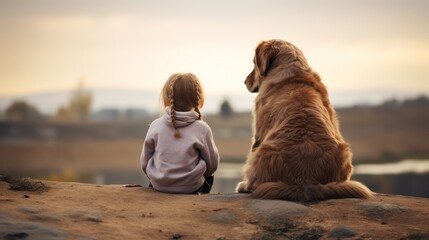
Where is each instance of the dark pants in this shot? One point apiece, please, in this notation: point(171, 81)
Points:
point(207, 185)
point(205, 188)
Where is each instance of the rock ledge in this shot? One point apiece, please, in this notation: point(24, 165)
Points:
point(65, 210)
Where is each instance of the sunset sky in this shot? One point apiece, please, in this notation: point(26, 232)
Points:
point(354, 45)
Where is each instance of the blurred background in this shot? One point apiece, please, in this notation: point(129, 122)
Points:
point(80, 81)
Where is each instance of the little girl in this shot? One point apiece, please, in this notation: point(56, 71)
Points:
point(179, 154)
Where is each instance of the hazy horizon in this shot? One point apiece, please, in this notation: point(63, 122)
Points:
point(121, 99)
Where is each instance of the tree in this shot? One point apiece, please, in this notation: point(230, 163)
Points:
point(226, 109)
point(21, 111)
point(78, 108)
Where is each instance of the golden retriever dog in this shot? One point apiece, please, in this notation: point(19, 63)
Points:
point(298, 153)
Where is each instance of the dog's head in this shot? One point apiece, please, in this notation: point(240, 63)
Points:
point(276, 59)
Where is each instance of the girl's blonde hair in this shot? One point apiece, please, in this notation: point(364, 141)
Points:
point(182, 92)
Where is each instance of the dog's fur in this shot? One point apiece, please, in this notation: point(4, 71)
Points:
point(298, 152)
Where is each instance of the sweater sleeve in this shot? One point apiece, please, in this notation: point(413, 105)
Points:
point(147, 151)
point(210, 155)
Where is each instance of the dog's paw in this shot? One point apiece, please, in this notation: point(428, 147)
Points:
point(242, 187)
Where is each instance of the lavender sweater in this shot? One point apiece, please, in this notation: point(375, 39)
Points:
point(178, 165)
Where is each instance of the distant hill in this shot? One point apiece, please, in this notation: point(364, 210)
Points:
point(49, 102)
point(391, 131)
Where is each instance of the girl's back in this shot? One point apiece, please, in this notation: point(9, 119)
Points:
point(179, 151)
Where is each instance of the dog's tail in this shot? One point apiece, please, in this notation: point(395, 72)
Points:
point(308, 193)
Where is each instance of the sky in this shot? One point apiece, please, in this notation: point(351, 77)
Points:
point(356, 46)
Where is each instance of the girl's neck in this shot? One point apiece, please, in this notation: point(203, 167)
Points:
point(183, 109)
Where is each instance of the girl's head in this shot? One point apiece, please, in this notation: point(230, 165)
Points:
point(182, 92)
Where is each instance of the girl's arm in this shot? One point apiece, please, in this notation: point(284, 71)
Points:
point(210, 155)
point(147, 152)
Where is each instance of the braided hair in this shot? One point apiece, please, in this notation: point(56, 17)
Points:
point(173, 112)
point(182, 92)
point(197, 97)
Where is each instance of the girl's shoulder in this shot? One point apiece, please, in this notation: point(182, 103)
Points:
point(158, 120)
point(157, 123)
point(201, 125)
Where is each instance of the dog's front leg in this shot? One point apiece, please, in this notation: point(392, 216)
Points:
point(243, 187)
point(246, 186)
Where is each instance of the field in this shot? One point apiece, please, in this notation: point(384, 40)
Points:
point(63, 151)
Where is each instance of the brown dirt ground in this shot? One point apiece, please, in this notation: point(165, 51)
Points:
point(142, 213)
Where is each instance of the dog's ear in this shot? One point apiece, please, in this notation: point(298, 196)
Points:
point(264, 55)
